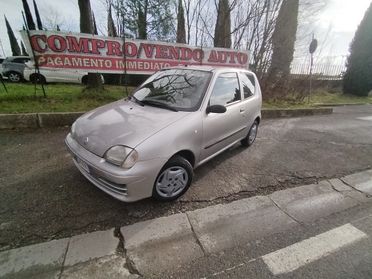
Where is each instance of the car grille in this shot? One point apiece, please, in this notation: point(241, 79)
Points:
point(117, 188)
point(120, 189)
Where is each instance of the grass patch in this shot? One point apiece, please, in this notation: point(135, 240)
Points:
point(71, 97)
point(338, 98)
point(320, 97)
point(21, 98)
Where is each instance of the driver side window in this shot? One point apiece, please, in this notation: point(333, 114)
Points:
point(226, 90)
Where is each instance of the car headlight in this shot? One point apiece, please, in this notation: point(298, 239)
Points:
point(122, 156)
point(73, 129)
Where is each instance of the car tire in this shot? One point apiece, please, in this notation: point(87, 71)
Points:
point(37, 78)
point(173, 180)
point(84, 80)
point(251, 136)
point(14, 77)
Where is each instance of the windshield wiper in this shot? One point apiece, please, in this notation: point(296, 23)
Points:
point(136, 100)
point(158, 104)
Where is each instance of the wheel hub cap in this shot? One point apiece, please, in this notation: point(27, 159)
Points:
point(171, 182)
point(253, 133)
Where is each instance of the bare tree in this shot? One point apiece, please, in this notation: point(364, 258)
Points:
point(145, 19)
point(52, 19)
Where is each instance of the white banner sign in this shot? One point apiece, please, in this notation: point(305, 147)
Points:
point(93, 53)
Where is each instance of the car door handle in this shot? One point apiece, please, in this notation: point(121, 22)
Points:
point(242, 110)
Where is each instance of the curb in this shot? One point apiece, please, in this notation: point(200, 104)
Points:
point(38, 120)
point(283, 113)
point(340, 104)
point(155, 246)
point(61, 119)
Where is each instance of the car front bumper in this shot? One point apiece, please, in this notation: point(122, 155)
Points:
point(125, 185)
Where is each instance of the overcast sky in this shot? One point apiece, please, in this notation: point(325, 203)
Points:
point(334, 27)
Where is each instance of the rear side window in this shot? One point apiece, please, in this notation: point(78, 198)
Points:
point(226, 90)
point(20, 60)
point(248, 83)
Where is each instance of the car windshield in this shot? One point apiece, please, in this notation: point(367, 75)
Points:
point(175, 89)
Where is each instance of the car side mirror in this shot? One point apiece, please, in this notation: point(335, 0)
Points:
point(216, 109)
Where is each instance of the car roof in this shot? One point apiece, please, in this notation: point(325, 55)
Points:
point(209, 68)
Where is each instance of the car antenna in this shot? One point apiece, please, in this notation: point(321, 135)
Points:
point(37, 70)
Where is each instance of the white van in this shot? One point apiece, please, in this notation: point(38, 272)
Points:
point(55, 75)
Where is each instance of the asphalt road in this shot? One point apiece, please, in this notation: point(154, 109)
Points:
point(339, 246)
point(43, 196)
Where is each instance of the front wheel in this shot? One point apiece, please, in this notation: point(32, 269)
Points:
point(252, 134)
point(174, 179)
point(14, 77)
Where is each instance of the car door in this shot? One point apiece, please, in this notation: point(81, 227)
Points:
point(18, 65)
point(250, 100)
point(222, 129)
point(62, 75)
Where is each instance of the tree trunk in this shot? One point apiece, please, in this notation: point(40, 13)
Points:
point(95, 31)
point(29, 19)
point(142, 20)
point(283, 41)
point(111, 30)
point(24, 52)
point(181, 32)
point(222, 32)
point(12, 39)
point(38, 18)
point(86, 26)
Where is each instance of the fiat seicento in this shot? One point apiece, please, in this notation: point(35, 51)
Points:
point(149, 144)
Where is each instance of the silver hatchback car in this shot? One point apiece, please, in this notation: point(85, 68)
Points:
point(149, 143)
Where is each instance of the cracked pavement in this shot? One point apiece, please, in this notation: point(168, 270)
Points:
point(45, 197)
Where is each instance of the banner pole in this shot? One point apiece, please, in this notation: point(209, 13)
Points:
point(3, 83)
point(33, 54)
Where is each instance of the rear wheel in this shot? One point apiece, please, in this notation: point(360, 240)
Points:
point(174, 179)
point(251, 136)
point(36, 78)
point(84, 80)
point(15, 77)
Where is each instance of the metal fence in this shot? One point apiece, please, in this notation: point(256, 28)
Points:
point(326, 68)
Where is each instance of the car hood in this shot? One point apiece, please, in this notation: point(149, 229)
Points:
point(121, 123)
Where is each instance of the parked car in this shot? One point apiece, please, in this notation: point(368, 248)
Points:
point(54, 75)
point(13, 67)
point(149, 143)
point(1, 66)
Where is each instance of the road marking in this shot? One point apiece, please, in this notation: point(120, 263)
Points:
point(368, 118)
point(309, 250)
